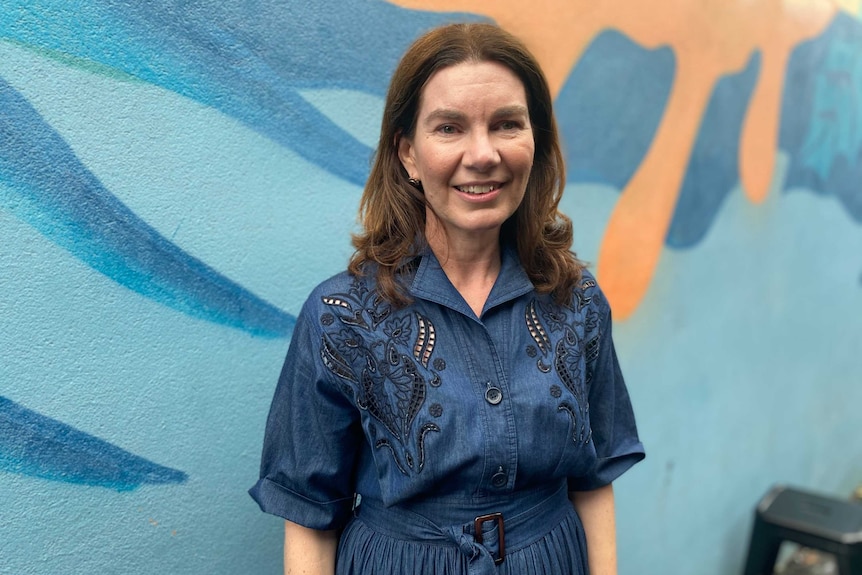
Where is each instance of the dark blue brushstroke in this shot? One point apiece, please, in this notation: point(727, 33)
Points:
point(35, 445)
point(44, 183)
point(611, 106)
point(247, 59)
point(821, 121)
point(713, 169)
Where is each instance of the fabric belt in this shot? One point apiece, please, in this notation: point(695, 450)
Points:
point(504, 524)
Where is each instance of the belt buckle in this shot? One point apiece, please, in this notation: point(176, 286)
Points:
point(477, 527)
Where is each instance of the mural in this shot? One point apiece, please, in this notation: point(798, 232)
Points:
point(174, 177)
point(712, 44)
point(47, 186)
point(39, 446)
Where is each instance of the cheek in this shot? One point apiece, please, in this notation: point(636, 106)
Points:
point(523, 162)
point(520, 153)
point(435, 164)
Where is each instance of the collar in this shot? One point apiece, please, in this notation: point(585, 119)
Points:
point(431, 283)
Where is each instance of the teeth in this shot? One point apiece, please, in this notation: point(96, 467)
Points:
point(477, 189)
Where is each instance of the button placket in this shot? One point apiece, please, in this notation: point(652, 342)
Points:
point(491, 383)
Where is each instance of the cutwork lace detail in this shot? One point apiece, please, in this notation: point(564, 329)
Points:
point(385, 357)
point(559, 333)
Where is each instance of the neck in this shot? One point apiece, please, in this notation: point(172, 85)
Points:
point(471, 263)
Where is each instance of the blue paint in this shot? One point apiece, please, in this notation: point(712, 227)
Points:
point(713, 169)
point(835, 98)
point(610, 107)
point(821, 123)
point(245, 59)
point(48, 187)
point(35, 445)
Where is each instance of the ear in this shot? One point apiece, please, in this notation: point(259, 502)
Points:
point(406, 155)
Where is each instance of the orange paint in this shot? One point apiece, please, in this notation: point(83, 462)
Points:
point(710, 39)
point(789, 25)
point(635, 233)
point(759, 140)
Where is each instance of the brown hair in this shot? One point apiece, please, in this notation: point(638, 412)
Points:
point(392, 212)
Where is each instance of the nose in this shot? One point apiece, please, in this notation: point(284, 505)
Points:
point(481, 153)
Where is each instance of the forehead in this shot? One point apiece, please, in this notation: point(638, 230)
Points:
point(472, 85)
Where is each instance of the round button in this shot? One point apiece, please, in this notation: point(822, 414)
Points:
point(493, 395)
point(499, 479)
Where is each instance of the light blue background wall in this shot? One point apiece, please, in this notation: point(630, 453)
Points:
point(175, 178)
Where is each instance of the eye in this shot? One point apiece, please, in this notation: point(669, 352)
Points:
point(507, 125)
point(447, 129)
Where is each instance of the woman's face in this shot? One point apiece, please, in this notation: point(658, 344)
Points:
point(472, 149)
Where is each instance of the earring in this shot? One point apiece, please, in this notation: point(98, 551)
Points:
point(415, 183)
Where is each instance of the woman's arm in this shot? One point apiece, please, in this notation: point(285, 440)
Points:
point(596, 509)
point(308, 551)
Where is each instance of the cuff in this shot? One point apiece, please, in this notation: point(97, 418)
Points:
point(607, 470)
point(279, 500)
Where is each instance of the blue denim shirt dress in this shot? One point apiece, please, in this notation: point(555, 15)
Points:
point(435, 416)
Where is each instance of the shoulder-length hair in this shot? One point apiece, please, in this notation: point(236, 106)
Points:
point(392, 212)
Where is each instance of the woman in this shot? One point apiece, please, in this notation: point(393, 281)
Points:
point(460, 376)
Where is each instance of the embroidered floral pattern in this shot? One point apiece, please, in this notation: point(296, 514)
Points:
point(567, 341)
point(398, 330)
point(384, 355)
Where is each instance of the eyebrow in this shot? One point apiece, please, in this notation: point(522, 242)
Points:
point(455, 115)
point(508, 111)
point(443, 114)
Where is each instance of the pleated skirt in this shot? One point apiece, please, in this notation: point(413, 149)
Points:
point(541, 535)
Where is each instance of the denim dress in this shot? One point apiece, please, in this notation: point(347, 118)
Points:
point(461, 435)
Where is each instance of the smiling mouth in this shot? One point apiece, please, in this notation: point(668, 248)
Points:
point(478, 190)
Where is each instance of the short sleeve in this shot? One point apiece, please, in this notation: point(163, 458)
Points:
point(307, 471)
point(612, 421)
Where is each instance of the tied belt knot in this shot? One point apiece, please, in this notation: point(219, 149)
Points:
point(479, 559)
point(517, 521)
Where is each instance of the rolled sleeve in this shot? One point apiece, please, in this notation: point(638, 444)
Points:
point(612, 420)
point(307, 472)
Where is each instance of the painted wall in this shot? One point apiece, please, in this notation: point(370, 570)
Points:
point(175, 177)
